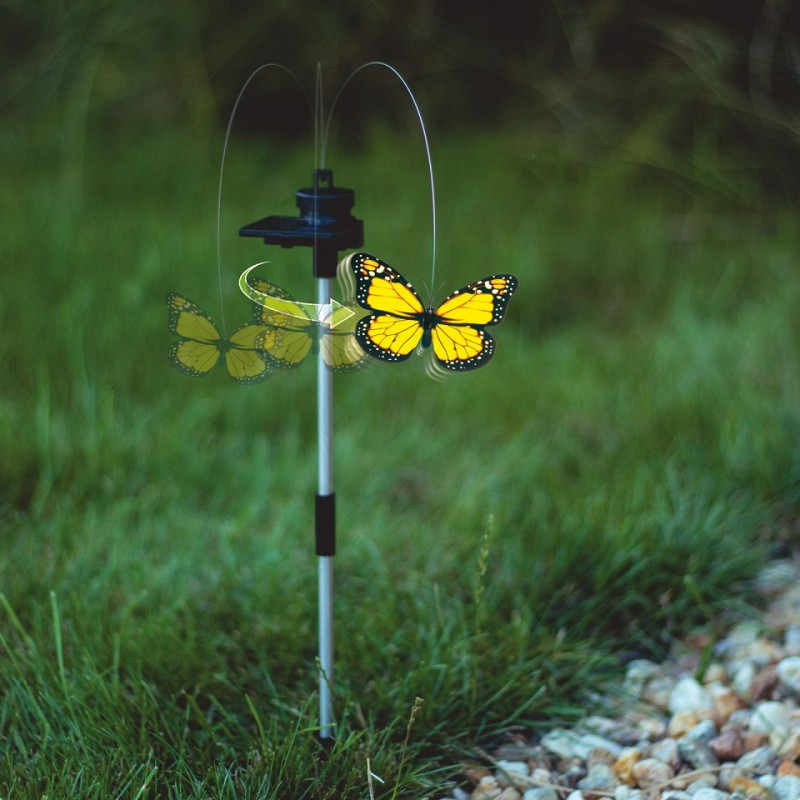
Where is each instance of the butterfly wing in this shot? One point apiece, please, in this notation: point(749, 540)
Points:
point(291, 345)
point(247, 364)
point(459, 340)
point(200, 346)
point(382, 288)
point(189, 321)
point(461, 347)
point(193, 358)
point(394, 328)
point(482, 302)
point(294, 329)
point(388, 338)
point(290, 311)
point(340, 350)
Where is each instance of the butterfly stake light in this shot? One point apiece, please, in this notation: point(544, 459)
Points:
point(284, 331)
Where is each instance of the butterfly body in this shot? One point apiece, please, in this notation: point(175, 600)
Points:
point(399, 321)
point(428, 320)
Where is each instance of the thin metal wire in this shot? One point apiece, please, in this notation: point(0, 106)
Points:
point(222, 169)
point(424, 136)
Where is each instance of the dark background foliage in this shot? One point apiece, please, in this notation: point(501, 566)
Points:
point(605, 75)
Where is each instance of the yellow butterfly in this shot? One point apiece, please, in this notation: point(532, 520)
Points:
point(399, 321)
point(293, 334)
point(201, 345)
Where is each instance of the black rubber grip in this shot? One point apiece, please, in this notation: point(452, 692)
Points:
point(326, 524)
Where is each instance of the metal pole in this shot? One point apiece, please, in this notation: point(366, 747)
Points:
point(327, 225)
point(325, 520)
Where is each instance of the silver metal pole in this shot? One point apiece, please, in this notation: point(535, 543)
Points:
point(325, 566)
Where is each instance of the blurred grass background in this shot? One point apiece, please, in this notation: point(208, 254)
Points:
point(507, 538)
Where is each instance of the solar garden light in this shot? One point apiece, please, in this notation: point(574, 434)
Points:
point(326, 225)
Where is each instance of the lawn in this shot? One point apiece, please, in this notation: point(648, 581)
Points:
point(507, 538)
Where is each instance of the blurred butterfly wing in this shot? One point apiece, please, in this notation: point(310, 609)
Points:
point(382, 288)
point(188, 320)
point(246, 364)
point(342, 353)
point(193, 358)
point(482, 302)
point(460, 347)
point(388, 338)
point(291, 345)
point(198, 351)
point(294, 329)
point(340, 350)
point(291, 312)
point(246, 336)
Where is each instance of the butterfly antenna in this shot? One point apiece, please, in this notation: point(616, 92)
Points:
point(222, 169)
point(428, 294)
point(432, 293)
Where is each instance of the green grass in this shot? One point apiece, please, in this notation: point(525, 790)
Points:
point(612, 478)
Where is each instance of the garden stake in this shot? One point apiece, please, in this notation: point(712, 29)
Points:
point(327, 226)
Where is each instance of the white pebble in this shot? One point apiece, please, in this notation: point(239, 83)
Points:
point(787, 787)
point(637, 674)
point(592, 741)
point(540, 793)
point(707, 793)
point(789, 674)
point(791, 641)
point(703, 732)
point(542, 775)
point(568, 744)
point(649, 772)
point(624, 792)
point(516, 767)
point(667, 751)
point(728, 773)
point(689, 695)
point(658, 690)
point(599, 776)
point(703, 782)
point(776, 576)
point(763, 759)
point(770, 716)
point(740, 635)
point(564, 743)
point(743, 678)
point(739, 720)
